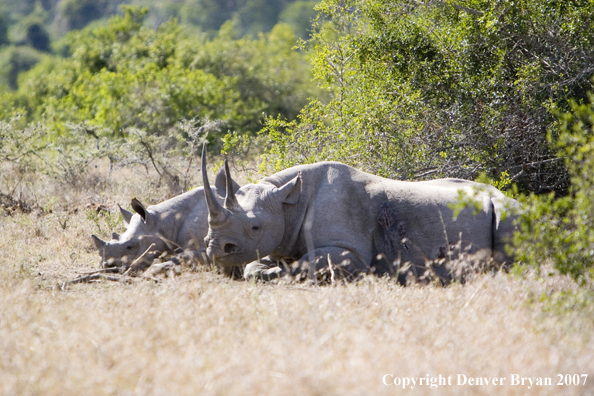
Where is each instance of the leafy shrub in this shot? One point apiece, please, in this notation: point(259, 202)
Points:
point(4, 23)
point(125, 75)
point(76, 14)
point(562, 229)
point(17, 60)
point(28, 152)
point(300, 15)
point(37, 36)
point(20, 149)
point(437, 89)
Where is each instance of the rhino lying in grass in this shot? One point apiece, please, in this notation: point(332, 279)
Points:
point(175, 226)
point(350, 221)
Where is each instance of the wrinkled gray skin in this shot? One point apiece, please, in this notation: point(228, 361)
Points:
point(179, 223)
point(358, 220)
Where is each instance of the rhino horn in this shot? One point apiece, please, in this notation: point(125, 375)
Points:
point(126, 215)
point(99, 243)
point(230, 200)
point(216, 213)
point(220, 184)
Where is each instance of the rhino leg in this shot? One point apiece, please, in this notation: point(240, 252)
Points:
point(331, 263)
point(236, 272)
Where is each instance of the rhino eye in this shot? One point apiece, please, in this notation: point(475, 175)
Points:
point(129, 247)
point(255, 228)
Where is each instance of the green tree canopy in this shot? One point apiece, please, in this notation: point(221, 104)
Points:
point(443, 88)
point(252, 16)
point(4, 23)
point(127, 75)
point(300, 15)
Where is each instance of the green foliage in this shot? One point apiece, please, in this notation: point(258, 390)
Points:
point(4, 24)
point(300, 15)
point(363, 123)
point(125, 75)
point(443, 89)
point(37, 37)
point(251, 16)
point(105, 222)
point(15, 60)
point(562, 229)
point(269, 75)
point(208, 14)
point(76, 14)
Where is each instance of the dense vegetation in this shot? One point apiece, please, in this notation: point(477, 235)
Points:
point(445, 89)
point(404, 89)
point(125, 74)
point(32, 29)
point(470, 89)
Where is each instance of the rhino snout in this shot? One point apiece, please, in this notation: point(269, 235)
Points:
point(222, 248)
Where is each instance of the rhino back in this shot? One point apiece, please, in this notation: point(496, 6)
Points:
point(372, 215)
point(416, 222)
point(174, 218)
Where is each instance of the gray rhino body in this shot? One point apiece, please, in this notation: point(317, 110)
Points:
point(177, 224)
point(353, 218)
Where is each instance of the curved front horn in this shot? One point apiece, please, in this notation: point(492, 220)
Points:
point(230, 200)
point(216, 213)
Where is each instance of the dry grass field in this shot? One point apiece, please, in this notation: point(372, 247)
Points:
point(203, 334)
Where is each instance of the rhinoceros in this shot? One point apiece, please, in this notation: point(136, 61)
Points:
point(175, 224)
point(330, 213)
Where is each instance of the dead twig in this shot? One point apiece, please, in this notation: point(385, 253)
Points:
point(332, 278)
point(139, 259)
point(102, 271)
point(90, 278)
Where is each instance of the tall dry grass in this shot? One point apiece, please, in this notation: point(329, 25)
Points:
point(201, 333)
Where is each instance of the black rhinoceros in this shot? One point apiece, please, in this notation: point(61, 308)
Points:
point(331, 211)
point(175, 224)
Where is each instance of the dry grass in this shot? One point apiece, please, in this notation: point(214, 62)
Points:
point(203, 334)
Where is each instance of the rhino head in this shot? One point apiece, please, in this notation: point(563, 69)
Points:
point(141, 233)
point(180, 222)
point(251, 223)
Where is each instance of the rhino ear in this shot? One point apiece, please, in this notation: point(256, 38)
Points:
point(290, 192)
point(141, 210)
point(99, 243)
point(221, 183)
point(126, 215)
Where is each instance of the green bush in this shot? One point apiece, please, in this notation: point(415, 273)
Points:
point(125, 75)
point(37, 36)
point(16, 61)
point(4, 23)
point(76, 14)
point(300, 15)
point(442, 89)
point(562, 229)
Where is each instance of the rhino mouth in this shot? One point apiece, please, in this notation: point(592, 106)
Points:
point(226, 255)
